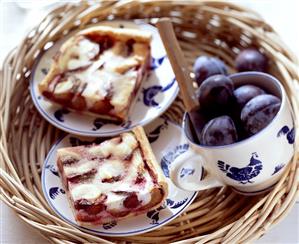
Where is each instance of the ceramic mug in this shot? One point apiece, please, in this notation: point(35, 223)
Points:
point(250, 166)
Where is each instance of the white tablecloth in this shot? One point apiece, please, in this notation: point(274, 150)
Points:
point(15, 22)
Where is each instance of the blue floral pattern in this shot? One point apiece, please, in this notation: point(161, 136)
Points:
point(186, 171)
point(245, 174)
point(156, 62)
point(109, 225)
point(289, 133)
point(99, 122)
point(172, 204)
point(151, 92)
point(53, 169)
point(55, 191)
point(155, 133)
point(126, 124)
point(154, 214)
point(171, 156)
point(45, 71)
point(58, 114)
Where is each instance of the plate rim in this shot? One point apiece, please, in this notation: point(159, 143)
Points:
point(96, 133)
point(153, 227)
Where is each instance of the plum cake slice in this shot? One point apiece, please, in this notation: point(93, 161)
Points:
point(115, 179)
point(99, 70)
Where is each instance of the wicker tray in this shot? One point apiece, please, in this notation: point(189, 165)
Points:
point(202, 27)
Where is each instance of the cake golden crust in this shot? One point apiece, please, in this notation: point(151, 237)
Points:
point(114, 180)
point(99, 70)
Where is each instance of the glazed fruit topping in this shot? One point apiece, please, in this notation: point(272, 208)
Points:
point(131, 201)
point(82, 177)
point(139, 179)
point(90, 207)
point(70, 161)
point(112, 179)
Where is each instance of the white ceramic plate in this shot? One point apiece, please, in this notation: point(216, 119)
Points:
point(161, 135)
point(156, 94)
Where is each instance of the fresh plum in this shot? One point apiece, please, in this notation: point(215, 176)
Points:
point(251, 59)
point(245, 93)
point(199, 119)
point(219, 131)
point(205, 67)
point(215, 94)
point(259, 112)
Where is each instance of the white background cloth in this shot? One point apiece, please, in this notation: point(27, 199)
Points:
point(16, 21)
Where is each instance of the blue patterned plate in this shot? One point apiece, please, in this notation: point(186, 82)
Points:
point(156, 94)
point(161, 134)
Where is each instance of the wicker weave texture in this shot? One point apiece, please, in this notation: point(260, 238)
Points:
point(214, 28)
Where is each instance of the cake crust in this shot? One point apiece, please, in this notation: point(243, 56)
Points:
point(114, 180)
point(99, 70)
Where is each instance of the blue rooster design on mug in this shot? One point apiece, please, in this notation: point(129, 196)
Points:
point(245, 174)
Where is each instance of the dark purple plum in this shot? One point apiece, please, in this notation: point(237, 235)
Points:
point(259, 112)
point(251, 59)
point(215, 94)
point(245, 93)
point(219, 131)
point(199, 119)
point(205, 67)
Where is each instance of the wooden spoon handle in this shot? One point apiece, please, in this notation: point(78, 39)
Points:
point(178, 63)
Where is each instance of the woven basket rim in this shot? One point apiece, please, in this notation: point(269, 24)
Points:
point(21, 186)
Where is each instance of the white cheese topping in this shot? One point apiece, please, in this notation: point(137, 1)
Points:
point(66, 153)
point(122, 89)
point(109, 168)
point(114, 201)
point(83, 52)
point(111, 73)
point(85, 191)
point(64, 87)
point(100, 80)
point(120, 150)
point(82, 167)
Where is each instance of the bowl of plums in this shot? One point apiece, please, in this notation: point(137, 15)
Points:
point(240, 110)
point(238, 114)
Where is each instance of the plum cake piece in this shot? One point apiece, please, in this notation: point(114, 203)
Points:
point(115, 179)
point(99, 70)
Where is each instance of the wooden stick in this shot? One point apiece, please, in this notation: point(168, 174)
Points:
point(178, 63)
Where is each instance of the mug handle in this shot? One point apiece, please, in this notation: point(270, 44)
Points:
point(188, 173)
